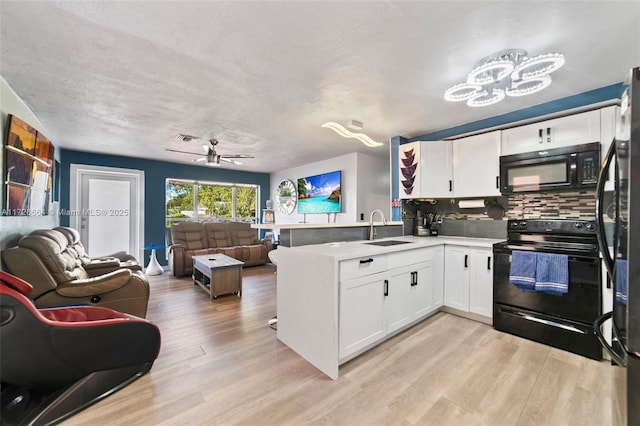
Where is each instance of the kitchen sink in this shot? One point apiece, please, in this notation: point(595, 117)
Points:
point(387, 243)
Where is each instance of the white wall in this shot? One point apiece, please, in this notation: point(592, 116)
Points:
point(13, 227)
point(374, 192)
point(364, 187)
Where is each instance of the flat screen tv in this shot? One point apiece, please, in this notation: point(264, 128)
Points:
point(320, 193)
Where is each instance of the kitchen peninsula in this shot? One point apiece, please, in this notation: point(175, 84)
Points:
point(337, 300)
point(298, 234)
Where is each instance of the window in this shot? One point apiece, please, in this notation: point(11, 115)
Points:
point(195, 200)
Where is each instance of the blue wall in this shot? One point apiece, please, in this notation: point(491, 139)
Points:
point(155, 175)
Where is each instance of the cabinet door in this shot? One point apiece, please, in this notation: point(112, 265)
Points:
point(574, 129)
point(409, 170)
point(361, 313)
point(570, 130)
point(456, 273)
point(436, 170)
point(438, 276)
point(476, 165)
point(421, 297)
point(397, 311)
point(481, 282)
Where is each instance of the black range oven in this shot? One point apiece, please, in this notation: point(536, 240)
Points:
point(563, 321)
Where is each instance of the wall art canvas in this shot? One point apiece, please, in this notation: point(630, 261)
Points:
point(28, 170)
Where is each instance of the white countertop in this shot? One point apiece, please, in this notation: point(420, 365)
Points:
point(355, 249)
point(319, 225)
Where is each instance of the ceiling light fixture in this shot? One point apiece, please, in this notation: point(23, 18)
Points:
point(506, 73)
point(339, 129)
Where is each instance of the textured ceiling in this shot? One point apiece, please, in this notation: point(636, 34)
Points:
point(126, 77)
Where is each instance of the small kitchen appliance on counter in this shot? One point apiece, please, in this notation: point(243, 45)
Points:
point(427, 225)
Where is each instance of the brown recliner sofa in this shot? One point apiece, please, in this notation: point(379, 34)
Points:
point(234, 239)
point(101, 264)
point(45, 259)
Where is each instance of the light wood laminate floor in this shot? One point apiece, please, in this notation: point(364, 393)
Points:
point(221, 364)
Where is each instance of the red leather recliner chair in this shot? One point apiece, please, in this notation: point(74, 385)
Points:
point(55, 362)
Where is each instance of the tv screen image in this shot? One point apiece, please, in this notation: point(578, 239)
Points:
point(320, 193)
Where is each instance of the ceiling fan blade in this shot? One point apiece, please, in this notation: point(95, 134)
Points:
point(226, 159)
point(236, 156)
point(183, 152)
point(201, 159)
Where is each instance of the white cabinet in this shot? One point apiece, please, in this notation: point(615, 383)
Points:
point(425, 169)
point(456, 275)
point(469, 279)
point(408, 295)
point(476, 165)
point(437, 169)
point(375, 305)
point(481, 282)
point(570, 130)
point(409, 170)
point(438, 276)
point(361, 312)
point(397, 297)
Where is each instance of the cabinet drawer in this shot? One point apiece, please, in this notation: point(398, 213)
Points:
point(360, 267)
point(409, 257)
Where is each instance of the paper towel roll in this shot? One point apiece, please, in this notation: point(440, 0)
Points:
point(470, 204)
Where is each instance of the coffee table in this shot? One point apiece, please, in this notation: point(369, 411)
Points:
point(218, 274)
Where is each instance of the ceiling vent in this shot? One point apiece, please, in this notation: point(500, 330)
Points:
point(182, 137)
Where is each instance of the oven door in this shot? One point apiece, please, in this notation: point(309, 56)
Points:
point(581, 303)
point(565, 322)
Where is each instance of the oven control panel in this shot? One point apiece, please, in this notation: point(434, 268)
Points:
point(542, 226)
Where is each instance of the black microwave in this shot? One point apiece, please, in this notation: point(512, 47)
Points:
point(568, 168)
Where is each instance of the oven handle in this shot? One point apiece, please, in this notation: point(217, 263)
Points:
point(602, 239)
point(508, 250)
point(538, 319)
point(597, 329)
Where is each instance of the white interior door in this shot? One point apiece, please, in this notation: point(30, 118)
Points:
point(110, 209)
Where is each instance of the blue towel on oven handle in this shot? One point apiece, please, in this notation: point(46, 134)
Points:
point(522, 272)
point(621, 281)
point(552, 273)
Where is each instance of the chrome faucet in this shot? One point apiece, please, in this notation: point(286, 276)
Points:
point(372, 232)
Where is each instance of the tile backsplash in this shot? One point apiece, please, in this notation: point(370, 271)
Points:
point(562, 205)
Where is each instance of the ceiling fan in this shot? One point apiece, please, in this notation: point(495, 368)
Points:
point(211, 157)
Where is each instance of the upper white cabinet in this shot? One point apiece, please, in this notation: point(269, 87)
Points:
point(470, 166)
point(476, 165)
point(426, 169)
point(409, 169)
point(570, 130)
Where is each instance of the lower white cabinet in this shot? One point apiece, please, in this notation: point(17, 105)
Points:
point(333, 306)
point(469, 279)
point(481, 282)
point(408, 295)
point(438, 276)
point(361, 312)
point(376, 305)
